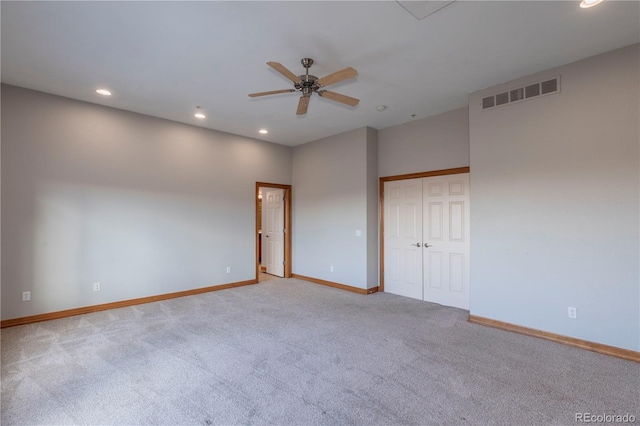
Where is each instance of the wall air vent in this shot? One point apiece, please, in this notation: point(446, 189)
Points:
point(524, 93)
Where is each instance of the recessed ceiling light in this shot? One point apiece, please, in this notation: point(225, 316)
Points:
point(103, 92)
point(589, 3)
point(199, 113)
point(381, 108)
point(263, 131)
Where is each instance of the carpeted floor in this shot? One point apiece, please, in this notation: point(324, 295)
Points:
point(288, 352)
point(263, 276)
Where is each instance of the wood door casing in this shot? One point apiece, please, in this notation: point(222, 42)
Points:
point(287, 224)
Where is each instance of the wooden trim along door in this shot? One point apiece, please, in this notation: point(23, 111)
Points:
point(381, 207)
point(287, 226)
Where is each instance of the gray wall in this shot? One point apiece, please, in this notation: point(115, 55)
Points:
point(555, 203)
point(332, 182)
point(432, 143)
point(371, 232)
point(142, 205)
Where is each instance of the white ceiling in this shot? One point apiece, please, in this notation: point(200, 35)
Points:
point(164, 58)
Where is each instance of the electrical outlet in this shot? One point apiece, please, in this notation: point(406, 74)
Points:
point(96, 286)
point(358, 233)
point(26, 296)
point(572, 312)
point(331, 268)
point(228, 269)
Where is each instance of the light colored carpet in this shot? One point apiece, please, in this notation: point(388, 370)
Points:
point(288, 352)
point(266, 277)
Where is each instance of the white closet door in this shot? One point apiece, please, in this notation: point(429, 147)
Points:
point(403, 238)
point(446, 240)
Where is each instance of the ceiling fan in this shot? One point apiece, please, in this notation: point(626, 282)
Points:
point(309, 84)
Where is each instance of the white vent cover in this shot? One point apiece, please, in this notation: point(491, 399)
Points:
point(541, 88)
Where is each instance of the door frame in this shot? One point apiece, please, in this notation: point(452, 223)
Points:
point(443, 172)
point(287, 226)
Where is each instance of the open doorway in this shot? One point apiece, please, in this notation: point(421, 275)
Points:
point(273, 231)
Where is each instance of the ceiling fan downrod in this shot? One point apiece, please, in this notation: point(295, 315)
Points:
point(308, 82)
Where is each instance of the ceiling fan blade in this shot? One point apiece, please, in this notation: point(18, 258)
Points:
point(303, 105)
point(337, 76)
point(273, 92)
point(344, 99)
point(284, 71)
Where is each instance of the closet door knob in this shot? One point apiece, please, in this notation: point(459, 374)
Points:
point(417, 245)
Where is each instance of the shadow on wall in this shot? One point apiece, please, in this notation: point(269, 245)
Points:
point(135, 243)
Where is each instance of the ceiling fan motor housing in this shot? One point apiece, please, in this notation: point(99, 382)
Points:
point(307, 82)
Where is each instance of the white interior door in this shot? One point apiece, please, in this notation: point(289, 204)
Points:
point(446, 240)
point(403, 238)
point(426, 239)
point(274, 231)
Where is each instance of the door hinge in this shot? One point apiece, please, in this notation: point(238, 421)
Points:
point(283, 262)
point(284, 231)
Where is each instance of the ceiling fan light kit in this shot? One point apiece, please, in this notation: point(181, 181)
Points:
point(308, 84)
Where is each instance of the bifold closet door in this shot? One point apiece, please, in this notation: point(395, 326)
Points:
point(426, 239)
